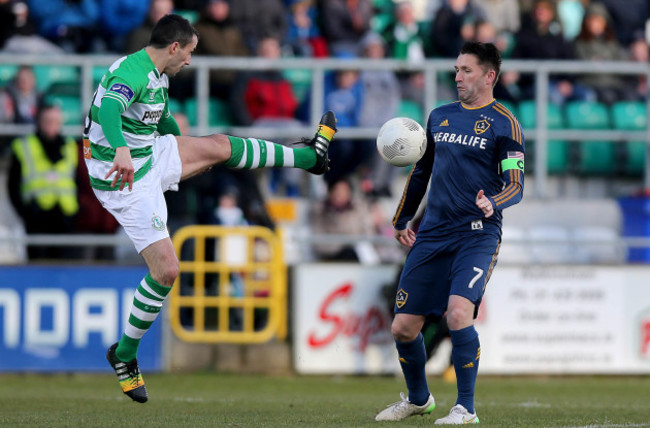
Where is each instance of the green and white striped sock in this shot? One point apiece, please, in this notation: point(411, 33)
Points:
point(147, 303)
point(252, 153)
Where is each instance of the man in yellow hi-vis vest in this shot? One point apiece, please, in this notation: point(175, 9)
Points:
point(42, 182)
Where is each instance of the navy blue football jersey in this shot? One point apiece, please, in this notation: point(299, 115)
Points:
point(468, 149)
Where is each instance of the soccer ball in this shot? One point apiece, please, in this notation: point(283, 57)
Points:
point(401, 141)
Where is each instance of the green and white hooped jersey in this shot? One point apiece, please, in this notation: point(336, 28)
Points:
point(135, 82)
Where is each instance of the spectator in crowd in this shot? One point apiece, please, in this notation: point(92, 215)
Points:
point(303, 36)
point(20, 100)
point(453, 26)
point(7, 20)
point(403, 35)
point(42, 182)
point(263, 94)
point(381, 101)
point(343, 213)
point(266, 98)
point(259, 20)
point(344, 96)
point(597, 42)
point(505, 17)
point(118, 18)
point(139, 37)
point(506, 88)
point(219, 37)
point(19, 33)
point(629, 18)
point(639, 52)
point(543, 39)
point(70, 24)
point(344, 23)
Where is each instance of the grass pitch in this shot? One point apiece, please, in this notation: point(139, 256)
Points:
point(217, 400)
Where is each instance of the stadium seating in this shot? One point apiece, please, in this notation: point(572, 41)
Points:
point(71, 107)
point(176, 106)
point(300, 80)
point(47, 75)
point(7, 72)
point(557, 160)
point(630, 115)
point(595, 157)
point(561, 231)
point(218, 112)
point(190, 15)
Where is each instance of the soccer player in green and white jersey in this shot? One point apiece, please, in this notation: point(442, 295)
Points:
point(134, 153)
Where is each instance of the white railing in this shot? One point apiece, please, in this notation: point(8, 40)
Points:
point(318, 67)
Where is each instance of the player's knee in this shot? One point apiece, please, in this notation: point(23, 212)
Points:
point(459, 317)
point(403, 332)
point(167, 274)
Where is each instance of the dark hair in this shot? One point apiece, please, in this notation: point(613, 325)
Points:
point(172, 28)
point(487, 55)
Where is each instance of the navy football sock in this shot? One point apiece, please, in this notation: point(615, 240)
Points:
point(465, 354)
point(412, 358)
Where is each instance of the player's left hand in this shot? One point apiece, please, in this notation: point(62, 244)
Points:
point(405, 237)
point(484, 204)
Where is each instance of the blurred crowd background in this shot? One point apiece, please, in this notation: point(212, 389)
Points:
point(360, 192)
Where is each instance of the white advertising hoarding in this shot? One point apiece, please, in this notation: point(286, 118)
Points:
point(341, 323)
point(535, 319)
point(566, 319)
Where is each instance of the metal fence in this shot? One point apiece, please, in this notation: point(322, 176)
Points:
point(319, 67)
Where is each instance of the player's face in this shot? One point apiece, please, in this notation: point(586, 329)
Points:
point(181, 57)
point(472, 81)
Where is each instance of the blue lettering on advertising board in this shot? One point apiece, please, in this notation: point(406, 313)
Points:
point(65, 318)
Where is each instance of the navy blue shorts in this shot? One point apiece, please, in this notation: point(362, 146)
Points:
point(437, 268)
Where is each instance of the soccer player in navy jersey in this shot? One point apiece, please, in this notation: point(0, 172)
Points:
point(474, 162)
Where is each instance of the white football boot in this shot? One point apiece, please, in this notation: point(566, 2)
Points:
point(404, 408)
point(458, 416)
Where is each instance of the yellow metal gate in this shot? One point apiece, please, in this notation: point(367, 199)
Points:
point(232, 286)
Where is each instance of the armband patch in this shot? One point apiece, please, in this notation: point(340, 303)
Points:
point(122, 89)
point(507, 164)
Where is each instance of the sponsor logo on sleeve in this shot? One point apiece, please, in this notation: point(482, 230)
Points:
point(122, 89)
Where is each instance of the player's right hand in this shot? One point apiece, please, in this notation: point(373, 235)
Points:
point(405, 237)
point(123, 168)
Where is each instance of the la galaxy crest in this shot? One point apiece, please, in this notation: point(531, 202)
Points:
point(481, 126)
point(401, 298)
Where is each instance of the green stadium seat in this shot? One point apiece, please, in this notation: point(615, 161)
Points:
point(218, 112)
point(383, 5)
point(47, 75)
point(510, 106)
point(595, 157)
point(631, 115)
point(412, 109)
point(190, 15)
point(175, 106)
point(557, 151)
point(7, 72)
point(98, 73)
point(300, 80)
point(71, 107)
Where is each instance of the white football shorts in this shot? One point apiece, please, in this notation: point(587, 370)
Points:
point(143, 212)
